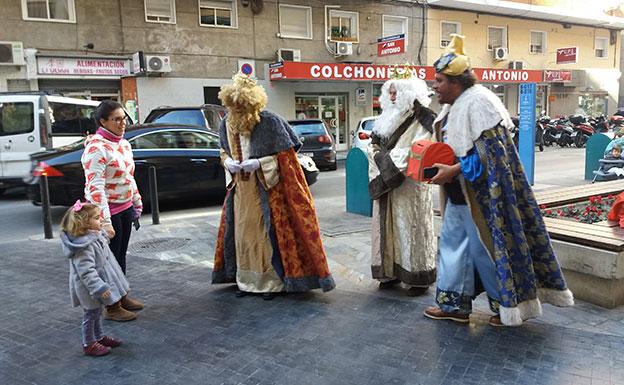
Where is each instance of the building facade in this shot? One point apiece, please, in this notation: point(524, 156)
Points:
point(577, 53)
point(316, 59)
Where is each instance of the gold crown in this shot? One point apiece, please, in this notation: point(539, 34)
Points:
point(401, 71)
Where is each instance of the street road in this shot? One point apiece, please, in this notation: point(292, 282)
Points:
point(19, 219)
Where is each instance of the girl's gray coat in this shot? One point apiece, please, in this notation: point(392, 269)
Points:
point(93, 270)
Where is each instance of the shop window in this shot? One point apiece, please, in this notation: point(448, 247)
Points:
point(446, 29)
point(306, 107)
point(538, 42)
point(343, 26)
point(50, 10)
point(497, 37)
point(295, 21)
point(160, 11)
point(602, 47)
point(498, 90)
point(218, 13)
point(394, 25)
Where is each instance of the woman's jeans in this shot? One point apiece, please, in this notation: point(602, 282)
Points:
point(122, 223)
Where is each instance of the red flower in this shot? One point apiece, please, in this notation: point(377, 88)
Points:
point(542, 206)
point(599, 212)
point(559, 212)
point(548, 212)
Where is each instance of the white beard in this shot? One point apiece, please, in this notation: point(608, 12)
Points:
point(390, 119)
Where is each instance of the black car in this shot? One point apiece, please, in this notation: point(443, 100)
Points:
point(317, 143)
point(187, 161)
point(208, 116)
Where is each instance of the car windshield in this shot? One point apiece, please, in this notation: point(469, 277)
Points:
point(192, 117)
point(311, 128)
point(368, 124)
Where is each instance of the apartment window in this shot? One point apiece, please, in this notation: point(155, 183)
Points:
point(497, 37)
point(217, 13)
point(160, 11)
point(50, 10)
point(295, 21)
point(446, 29)
point(538, 42)
point(394, 25)
point(343, 26)
point(601, 47)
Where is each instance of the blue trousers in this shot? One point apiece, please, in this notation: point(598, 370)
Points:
point(461, 254)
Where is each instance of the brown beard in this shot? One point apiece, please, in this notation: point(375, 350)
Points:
point(243, 123)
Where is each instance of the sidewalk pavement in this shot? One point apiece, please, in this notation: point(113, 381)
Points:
point(192, 332)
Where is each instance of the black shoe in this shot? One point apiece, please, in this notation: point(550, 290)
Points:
point(240, 293)
point(389, 284)
point(415, 291)
point(268, 296)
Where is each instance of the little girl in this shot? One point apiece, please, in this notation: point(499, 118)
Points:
point(95, 278)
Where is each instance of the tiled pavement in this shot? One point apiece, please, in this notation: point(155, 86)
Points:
point(192, 332)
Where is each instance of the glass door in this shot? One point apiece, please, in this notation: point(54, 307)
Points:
point(333, 113)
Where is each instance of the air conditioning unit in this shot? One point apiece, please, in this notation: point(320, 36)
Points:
point(344, 48)
point(288, 54)
point(516, 65)
point(500, 53)
point(11, 53)
point(157, 63)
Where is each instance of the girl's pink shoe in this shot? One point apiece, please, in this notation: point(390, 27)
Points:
point(96, 349)
point(110, 341)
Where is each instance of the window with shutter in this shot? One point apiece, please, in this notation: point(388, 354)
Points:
point(446, 29)
point(602, 47)
point(538, 42)
point(218, 13)
point(497, 37)
point(295, 21)
point(395, 25)
point(160, 11)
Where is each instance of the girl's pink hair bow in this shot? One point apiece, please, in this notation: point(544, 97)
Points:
point(77, 206)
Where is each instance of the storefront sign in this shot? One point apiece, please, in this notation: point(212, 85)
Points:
point(360, 96)
point(391, 45)
point(362, 72)
point(82, 66)
point(341, 71)
point(557, 76)
point(567, 55)
point(493, 75)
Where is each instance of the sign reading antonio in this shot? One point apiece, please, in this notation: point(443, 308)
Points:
point(391, 45)
point(567, 55)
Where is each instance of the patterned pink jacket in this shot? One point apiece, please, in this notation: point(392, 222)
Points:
point(109, 175)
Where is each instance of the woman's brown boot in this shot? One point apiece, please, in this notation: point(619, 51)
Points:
point(117, 313)
point(131, 303)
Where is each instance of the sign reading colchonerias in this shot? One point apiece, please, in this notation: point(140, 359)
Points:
point(82, 66)
point(363, 72)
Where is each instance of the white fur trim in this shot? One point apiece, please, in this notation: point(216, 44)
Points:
point(477, 109)
point(554, 297)
point(395, 113)
point(514, 316)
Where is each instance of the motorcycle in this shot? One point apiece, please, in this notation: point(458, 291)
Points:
point(582, 130)
point(565, 133)
point(539, 133)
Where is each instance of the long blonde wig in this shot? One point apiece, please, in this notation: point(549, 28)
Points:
point(245, 99)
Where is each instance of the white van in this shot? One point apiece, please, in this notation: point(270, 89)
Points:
point(33, 121)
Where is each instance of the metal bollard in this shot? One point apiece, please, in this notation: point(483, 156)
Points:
point(45, 206)
point(153, 189)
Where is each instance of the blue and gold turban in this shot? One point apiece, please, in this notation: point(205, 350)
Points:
point(453, 61)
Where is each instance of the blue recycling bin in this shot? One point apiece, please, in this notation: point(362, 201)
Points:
point(358, 199)
point(594, 151)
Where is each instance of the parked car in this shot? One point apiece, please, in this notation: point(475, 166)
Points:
point(361, 136)
point(35, 121)
point(317, 143)
point(187, 161)
point(208, 116)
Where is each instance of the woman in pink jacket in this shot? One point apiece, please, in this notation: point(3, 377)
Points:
point(109, 174)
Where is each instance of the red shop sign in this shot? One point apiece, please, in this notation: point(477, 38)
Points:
point(557, 76)
point(494, 75)
point(341, 71)
point(391, 45)
point(567, 55)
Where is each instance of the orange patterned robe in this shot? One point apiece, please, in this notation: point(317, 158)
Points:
point(269, 238)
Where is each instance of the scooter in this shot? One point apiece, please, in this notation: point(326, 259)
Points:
point(539, 133)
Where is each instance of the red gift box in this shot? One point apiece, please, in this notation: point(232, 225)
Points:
point(425, 154)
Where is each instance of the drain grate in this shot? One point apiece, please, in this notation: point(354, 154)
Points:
point(157, 245)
